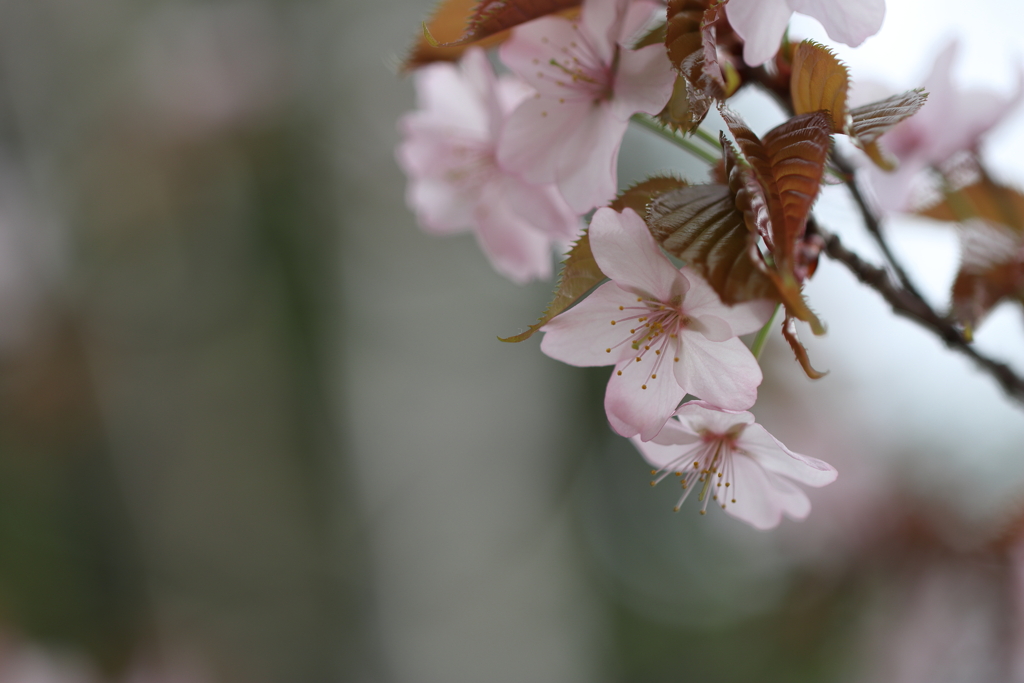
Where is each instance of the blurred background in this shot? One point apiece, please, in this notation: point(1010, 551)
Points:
point(255, 426)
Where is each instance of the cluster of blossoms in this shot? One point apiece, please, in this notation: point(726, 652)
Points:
point(522, 160)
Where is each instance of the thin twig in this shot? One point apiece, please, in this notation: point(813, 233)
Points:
point(910, 305)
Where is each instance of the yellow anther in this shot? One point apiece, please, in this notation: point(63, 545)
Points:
point(654, 376)
point(619, 372)
point(613, 322)
point(657, 352)
point(702, 512)
point(734, 500)
point(607, 350)
point(638, 359)
point(676, 359)
point(643, 386)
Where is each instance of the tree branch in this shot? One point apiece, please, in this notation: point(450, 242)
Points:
point(910, 305)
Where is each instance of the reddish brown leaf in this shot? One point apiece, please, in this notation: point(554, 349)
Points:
point(701, 226)
point(991, 269)
point(580, 273)
point(494, 16)
point(691, 42)
point(789, 332)
point(776, 194)
point(819, 82)
point(872, 120)
point(983, 199)
point(797, 151)
point(456, 24)
point(639, 196)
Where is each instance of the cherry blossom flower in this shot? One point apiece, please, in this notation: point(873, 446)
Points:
point(735, 463)
point(455, 183)
point(952, 120)
point(664, 329)
point(588, 85)
point(762, 23)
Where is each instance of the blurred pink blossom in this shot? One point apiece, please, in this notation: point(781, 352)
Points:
point(455, 183)
point(762, 23)
point(588, 86)
point(664, 329)
point(952, 120)
point(736, 463)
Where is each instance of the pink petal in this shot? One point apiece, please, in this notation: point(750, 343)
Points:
point(582, 335)
point(744, 318)
point(573, 144)
point(587, 176)
point(643, 82)
point(535, 51)
point(602, 22)
point(626, 252)
point(724, 374)
point(674, 456)
point(758, 502)
point(776, 458)
point(632, 410)
point(675, 433)
point(761, 24)
point(542, 207)
point(712, 327)
point(845, 21)
point(442, 91)
point(696, 416)
point(440, 207)
point(515, 248)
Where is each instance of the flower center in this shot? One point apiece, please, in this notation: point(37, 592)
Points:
point(579, 69)
point(653, 328)
point(709, 465)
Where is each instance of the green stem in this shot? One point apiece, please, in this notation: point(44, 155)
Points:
point(708, 138)
point(677, 140)
point(762, 335)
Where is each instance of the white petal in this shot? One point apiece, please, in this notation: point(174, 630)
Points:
point(626, 252)
point(724, 374)
point(697, 416)
point(643, 82)
point(758, 502)
point(761, 24)
point(632, 409)
point(676, 457)
point(846, 21)
point(582, 335)
point(775, 457)
point(742, 318)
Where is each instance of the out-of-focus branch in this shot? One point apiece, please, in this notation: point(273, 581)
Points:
point(871, 222)
point(910, 305)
